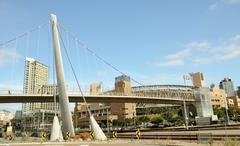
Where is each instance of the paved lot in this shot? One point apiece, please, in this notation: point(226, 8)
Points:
point(118, 143)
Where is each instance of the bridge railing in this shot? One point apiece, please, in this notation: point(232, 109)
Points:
point(161, 93)
point(177, 94)
point(11, 91)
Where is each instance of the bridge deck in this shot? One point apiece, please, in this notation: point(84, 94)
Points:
point(21, 98)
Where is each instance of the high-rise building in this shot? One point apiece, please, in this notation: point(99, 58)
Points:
point(227, 85)
point(37, 115)
point(35, 75)
point(18, 114)
point(238, 91)
point(197, 79)
point(49, 89)
point(5, 116)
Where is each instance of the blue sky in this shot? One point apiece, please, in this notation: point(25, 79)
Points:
point(155, 42)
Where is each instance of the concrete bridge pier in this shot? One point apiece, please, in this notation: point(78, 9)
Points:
point(204, 107)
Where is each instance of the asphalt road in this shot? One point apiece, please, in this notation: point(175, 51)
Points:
point(92, 143)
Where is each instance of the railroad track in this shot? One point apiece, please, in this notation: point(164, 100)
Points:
point(185, 136)
point(194, 128)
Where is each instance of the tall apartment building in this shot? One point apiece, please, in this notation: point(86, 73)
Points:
point(35, 75)
point(37, 115)
point(227, 85)
point(197, 79)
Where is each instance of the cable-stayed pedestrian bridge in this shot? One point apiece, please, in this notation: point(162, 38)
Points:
point(36, 75)
point(161, 94)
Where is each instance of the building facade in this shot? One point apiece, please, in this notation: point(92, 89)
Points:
point(233, 101)
point(5, 116)
point(238, 91)
point(197, 79)
point(218, 97)
point(123, 110)
point(227, 85)
point(37, 115)
point(35, 75)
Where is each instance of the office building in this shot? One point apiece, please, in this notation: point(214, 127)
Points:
point(218, 97)
point(123, 110)
point(227, 85)
point(233, 101)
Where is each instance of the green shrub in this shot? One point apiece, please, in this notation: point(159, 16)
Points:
point(231, 142)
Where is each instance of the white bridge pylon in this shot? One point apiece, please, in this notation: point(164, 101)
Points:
point(63, 97)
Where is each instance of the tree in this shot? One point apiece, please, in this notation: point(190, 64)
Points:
point(233, 111)
point(142, 119)
point(220, 112)
point(157, 119)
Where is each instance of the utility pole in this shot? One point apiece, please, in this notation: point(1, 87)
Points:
point(108, 122)
point(185, 77)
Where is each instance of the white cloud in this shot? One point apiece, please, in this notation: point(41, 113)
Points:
point(231, 1)
point(171, 62)
point(200, 53)
point(213, 6)
point(232, 51)
point(8, 56)
point(178, 55)
point(236, 37)
point(198, 45)
point(223, 2)
point(175, 59)
point(203, 60)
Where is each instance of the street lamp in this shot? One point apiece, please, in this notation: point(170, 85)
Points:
point(226, 110)
point(185, 77)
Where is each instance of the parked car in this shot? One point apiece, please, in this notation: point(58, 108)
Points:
point(36, 134)
point(20, 134)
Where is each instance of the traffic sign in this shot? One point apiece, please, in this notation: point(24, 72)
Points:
point(114, 134)
point(68, 135)
point(138, 133)
point(44, 135)
point(91, 135)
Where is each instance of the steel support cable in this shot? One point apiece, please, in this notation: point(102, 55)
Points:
point(73, 71)
point(23, 34)
point(14, 60)
point(98, 56)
